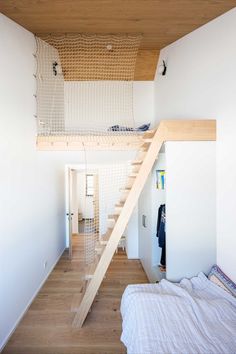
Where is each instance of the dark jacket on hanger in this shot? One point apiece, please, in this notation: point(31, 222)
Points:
point(161, 227)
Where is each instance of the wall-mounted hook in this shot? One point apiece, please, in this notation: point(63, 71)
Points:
point(162, 68)
point(54, 68)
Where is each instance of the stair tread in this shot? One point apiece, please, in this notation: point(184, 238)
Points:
point(105, 237)
point(113, 217)
point(99, 250)
point(147, 140)
point(117, 206)
point(120, 204)
point(137, 162)
point(126, 189)
point(149, 133)
point(90, 269)
point(145, 145)
point(98, 246)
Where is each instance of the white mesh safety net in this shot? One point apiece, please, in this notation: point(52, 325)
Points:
point(50, 91)
point(85, 84)
point(100, 208)
point(85, 87)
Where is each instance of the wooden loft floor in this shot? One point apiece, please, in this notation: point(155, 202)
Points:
point(46, 327)
point(182, 130)
point(93, 142)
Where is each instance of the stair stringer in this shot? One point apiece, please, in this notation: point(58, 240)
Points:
point(120, 226)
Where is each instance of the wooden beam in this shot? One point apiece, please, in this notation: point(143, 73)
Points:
point(189, 130)
point(146, 64)
point(88, 142)
point(174, 130)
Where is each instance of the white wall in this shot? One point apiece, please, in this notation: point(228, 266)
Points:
point(143, 102)
point(190, 208)
point(200, 83)
point(32, 203)
point(131, 233)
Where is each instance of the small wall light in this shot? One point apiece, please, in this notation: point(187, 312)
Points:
point(162, 68)
point(109, 47)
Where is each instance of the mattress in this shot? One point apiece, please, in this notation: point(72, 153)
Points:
point(193, 316)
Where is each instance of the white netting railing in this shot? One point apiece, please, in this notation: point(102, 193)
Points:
point(106, 178)
point(50, 91)
point(85, 83)
point(85, 88)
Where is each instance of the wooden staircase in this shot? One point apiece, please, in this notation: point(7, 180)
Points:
point(186, 130)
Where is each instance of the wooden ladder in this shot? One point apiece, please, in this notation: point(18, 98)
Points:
point(169, 130)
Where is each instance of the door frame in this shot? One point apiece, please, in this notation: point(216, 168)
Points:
point(68, 167)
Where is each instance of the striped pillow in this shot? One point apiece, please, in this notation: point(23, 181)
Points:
point(220, 278)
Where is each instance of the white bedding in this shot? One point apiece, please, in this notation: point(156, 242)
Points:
point(194, 316)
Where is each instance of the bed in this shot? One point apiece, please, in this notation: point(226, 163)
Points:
point(193, 316)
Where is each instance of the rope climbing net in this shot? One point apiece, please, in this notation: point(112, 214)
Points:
point(85, 84)
point(85, 89)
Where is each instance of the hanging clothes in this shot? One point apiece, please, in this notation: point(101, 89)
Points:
point(163, 256)
point(161, 232)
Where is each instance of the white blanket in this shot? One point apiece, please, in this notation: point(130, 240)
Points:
point(194, 316)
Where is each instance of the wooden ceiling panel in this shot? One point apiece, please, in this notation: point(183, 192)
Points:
point(160, 21)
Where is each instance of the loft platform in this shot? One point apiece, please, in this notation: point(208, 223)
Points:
point(92, 142)
point(173, 130)
point(189, 130)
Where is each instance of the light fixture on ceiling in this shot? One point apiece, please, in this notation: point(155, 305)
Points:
point(162, 68)
point(109, 47)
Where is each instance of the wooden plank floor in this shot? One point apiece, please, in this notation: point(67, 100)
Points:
point(46, 327)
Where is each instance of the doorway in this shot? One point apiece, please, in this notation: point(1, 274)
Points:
point(82, 208)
